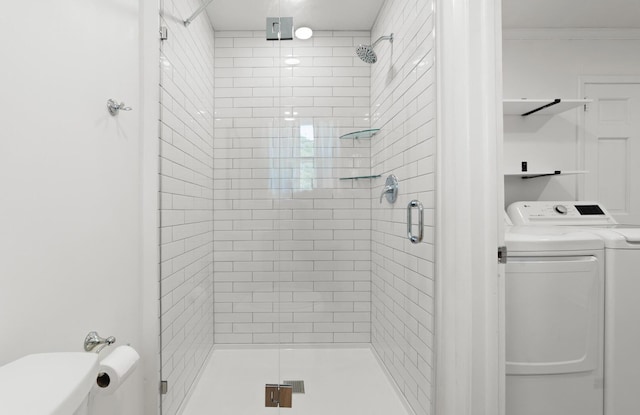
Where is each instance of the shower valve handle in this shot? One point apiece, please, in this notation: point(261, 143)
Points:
point(390, 189)
point(387, 189)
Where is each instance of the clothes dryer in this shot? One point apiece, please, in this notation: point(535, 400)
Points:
point(554, 321)
point(622, 285)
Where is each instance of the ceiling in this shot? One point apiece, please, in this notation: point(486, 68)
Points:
point(361, 14)
point(317, 14)
point(586, 14)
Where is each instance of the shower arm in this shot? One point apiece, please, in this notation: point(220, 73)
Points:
point(381, 38)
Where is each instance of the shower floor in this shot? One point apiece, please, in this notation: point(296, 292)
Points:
point(340, 381)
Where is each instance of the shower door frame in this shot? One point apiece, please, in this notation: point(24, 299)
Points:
point(149, 46)
point(455, 327)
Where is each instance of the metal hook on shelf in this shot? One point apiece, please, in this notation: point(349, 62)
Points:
point(114, 107)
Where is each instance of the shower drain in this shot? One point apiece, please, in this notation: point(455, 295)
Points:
point(297, 385)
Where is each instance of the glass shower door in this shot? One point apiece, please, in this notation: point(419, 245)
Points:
point(323, 216)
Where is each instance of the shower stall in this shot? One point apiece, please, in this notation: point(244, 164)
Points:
point(288, 283)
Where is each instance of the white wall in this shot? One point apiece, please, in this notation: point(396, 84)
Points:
point(403, 101)
point(292, 256)
point(71, 206)
point(469, 282)
point(186, 199)
point(549, 64)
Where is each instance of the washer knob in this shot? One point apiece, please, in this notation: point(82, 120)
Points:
point(561, 209)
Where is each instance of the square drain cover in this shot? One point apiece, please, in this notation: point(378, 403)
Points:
point(297, 385)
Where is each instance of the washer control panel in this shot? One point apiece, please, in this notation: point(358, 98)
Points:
point(559, 213)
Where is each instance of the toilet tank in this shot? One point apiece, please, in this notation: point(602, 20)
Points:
point(48, 384)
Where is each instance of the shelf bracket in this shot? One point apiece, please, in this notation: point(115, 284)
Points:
point(552, 103)
point(542, 175)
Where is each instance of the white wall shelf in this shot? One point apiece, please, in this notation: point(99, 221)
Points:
point(534, 174)
point(361, 134)
point(524, 106)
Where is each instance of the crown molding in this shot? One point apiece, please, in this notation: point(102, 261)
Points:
point(571, 34)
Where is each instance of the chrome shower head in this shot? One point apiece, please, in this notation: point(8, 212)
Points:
point(366, 52)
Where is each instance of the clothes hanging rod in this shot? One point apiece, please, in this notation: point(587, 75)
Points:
point(197, 12)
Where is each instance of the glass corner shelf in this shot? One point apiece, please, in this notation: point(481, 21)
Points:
point(361, 177)
point(361, 134)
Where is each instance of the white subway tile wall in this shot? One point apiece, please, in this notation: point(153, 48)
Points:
point(186, 199)
point(292, 242)
point(403, 102)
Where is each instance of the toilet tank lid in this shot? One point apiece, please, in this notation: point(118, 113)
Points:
point(47, 383)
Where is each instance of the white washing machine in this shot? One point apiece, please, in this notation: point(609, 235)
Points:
point(622, 289)
point(554, 321)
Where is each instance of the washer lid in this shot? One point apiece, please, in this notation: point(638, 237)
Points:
point(632, 235)
point(619, 236)
point(543, 239)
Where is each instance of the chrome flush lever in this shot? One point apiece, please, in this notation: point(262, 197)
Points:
point(390, 189)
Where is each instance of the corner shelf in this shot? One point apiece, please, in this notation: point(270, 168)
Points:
point(361, 177)
point(524, 106)
point(361, 134)
point(534, 174)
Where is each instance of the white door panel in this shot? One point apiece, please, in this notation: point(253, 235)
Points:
point(612, 146)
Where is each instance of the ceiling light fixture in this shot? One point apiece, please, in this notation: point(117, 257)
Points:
point(304, 33)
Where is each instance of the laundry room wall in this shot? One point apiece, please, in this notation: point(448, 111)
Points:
point(549, 64)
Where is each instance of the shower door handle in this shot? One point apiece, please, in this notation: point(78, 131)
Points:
point(415, 239)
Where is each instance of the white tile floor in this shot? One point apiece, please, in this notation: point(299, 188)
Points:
point(342, 381)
